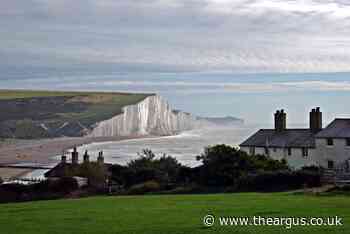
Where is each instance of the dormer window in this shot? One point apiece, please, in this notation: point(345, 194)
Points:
point(330, 142)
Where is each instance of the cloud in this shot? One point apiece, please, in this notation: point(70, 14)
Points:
point(193, 87)
point(197, 35)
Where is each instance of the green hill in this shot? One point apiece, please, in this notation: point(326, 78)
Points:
point(170, 214)
point(43, 114)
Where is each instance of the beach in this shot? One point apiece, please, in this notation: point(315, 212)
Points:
point(41, 152)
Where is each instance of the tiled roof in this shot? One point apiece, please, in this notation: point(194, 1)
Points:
point(294, 138)
point(339, 128)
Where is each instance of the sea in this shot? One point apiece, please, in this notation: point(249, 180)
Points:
point(184, 146)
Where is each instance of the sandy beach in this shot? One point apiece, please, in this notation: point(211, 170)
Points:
point(43, 151)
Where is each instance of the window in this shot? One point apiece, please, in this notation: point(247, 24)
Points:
point(252, 150)
point(305, 152)
point(267, 152)
point(347, 141)
point(289, 151)
point(330, 164)
point(330, 141)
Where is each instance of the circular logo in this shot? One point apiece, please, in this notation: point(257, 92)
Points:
point(209, 220)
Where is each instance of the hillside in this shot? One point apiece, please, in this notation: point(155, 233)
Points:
point(171, 214)
point(45, 114)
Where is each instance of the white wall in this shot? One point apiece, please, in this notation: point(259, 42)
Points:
point(338, 153)
point(296, 160)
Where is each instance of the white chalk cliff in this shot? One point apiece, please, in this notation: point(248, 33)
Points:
point(152, 116)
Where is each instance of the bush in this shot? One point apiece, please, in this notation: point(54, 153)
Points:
point(147, 187)
point(276, 181)
point(63, 185)
point(41, 191)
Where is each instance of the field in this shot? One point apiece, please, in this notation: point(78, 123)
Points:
point(170, 214)
point(46, 114)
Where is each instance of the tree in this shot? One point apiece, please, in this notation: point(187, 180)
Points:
point(164, 169)
point(223, 165)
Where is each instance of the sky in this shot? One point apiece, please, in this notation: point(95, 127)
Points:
point(182, 48)
point(179, 35)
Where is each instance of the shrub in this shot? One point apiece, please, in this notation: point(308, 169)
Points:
point(276, 181)
point(147, 187)
point(49, 189)
point(63, 185)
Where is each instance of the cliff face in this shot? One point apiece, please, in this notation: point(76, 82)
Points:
point(152, 116)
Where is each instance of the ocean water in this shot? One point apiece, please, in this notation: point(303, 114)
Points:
point(185, 146)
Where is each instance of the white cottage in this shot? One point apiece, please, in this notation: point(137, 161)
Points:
point(329, 147)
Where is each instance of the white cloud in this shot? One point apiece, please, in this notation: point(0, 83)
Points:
point(236, 35)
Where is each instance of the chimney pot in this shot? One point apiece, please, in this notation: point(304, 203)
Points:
point(63, 159)
point(316, 120)
point(75, 156)
point(280, 120)
point(86, 157)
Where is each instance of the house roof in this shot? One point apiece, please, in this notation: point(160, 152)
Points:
point(339, 128)
point(294, 138)
point(61, 169)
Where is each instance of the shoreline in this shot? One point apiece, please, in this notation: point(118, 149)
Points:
point(43, 151)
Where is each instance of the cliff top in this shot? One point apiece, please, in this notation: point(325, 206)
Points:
point(41, 114)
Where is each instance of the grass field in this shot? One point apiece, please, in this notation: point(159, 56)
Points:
point(170, 214)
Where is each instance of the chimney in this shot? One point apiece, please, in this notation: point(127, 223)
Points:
point(75, 156)
point(280, 121)
point(64, 159)
point(315, 120)
point(100, 158)
point(86, 157)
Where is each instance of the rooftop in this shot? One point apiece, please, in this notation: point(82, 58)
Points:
point(294, 138)
point(339, 128)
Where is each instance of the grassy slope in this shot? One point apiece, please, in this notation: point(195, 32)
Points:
point(11, 94)
point(97, 106)
point(168, 214)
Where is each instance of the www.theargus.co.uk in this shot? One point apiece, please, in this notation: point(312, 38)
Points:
point(287, 222)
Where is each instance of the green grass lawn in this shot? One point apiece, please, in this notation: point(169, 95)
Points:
point(169, 214)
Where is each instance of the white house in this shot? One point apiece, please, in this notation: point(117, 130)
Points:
point(328, 147)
